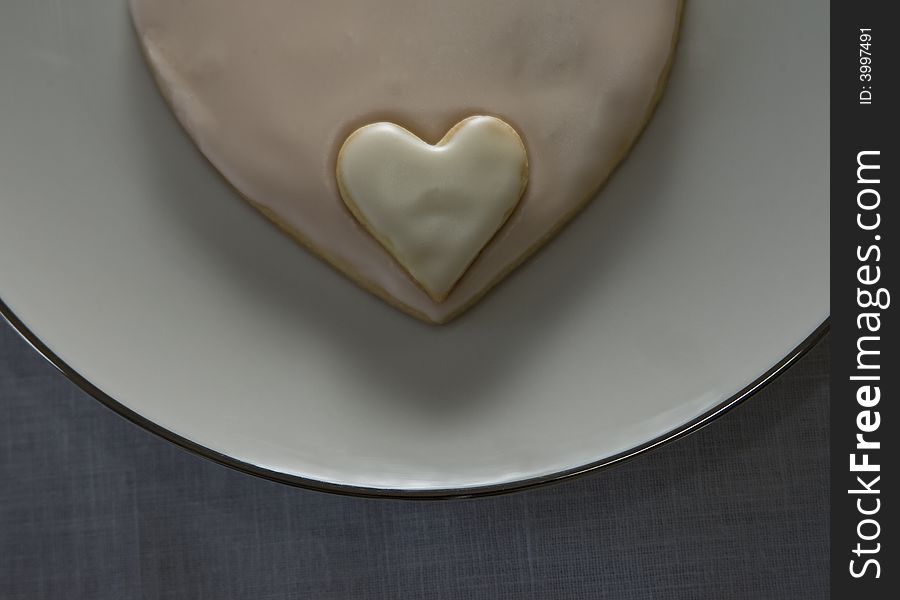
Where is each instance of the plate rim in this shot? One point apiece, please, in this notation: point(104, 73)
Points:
point(683, 430)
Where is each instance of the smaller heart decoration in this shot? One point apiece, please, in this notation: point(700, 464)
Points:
point(434, 207)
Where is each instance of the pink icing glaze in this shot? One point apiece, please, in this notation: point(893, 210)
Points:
point(270, 89)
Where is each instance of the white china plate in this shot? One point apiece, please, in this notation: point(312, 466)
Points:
point(700, 271)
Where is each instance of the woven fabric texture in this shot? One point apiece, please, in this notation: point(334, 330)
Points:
point(94, 507)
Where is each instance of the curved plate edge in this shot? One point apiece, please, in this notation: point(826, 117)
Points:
point(684, 430)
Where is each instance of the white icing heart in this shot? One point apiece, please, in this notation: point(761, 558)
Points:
point(434, 207)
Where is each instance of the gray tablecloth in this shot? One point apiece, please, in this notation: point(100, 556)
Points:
point(94, 507)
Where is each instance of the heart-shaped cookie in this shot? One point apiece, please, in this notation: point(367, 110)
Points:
point(434, 207)
point(270, 90)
